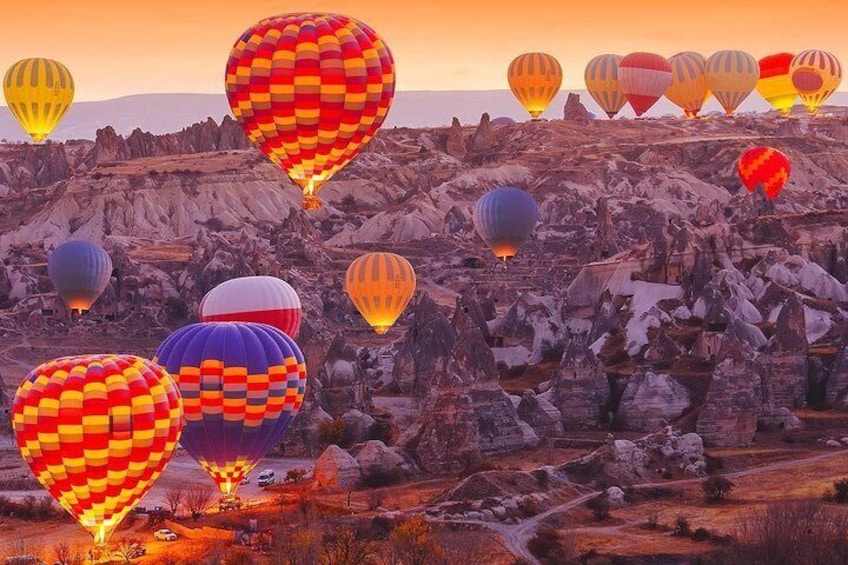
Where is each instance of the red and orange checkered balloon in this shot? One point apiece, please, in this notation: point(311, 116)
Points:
point(766, 167)
point(310, 90)
point(97, 431)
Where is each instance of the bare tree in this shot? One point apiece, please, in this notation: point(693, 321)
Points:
point(66, 554)
point(344, 547)
point(198, 500)
point(295, 547)
point(413, 543)
point(125, 548)
point(174, 498)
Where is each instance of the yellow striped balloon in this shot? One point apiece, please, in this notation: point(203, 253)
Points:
point(816, 75)
point(380, 285)
point(688, 87)
point(602, 83)
point(731, 77)
point(535, 79)
point(39, 93)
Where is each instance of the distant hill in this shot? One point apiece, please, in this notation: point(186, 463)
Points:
point(164, 113)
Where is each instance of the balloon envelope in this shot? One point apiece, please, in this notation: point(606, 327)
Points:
point(766, 167)
point(816, 74)
point(38, 92)
point(534, 79)
point(242, 385)
point(267, 300)
point(505, 218)
point(775, 83)
point(97, 431)
point(310, 91)
point(688, 88)
point(603, 85)
point(644, 78)
point(80, 271)
point(731, 77)
point(380, 285)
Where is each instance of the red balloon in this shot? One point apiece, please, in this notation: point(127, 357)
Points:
point(644, 78)
point(766, 167)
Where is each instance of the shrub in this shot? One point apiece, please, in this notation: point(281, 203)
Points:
point(413, 542)
point(334, 432)
point(701, 534)
point(682, 528)
point(651, 523)
point(716, 488)
point(600, 507)
point(295, 475)
point(550, 547)
point(840, 491)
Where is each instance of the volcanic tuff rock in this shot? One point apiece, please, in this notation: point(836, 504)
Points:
point(580, 387)
point(456, 142)
point(430, 338)
point(543, 417)
point(532, 319)
point(733, 403)
point(574, 110)
point(483, 138)
point(650, 400)
point(336, 470)
point(374, 456)
point(783, 366)
point(343, 384)
point(303, 437)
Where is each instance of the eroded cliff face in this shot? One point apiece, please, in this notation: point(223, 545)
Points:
point(648, 273)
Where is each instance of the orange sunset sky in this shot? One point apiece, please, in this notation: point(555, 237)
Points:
point(120, 47)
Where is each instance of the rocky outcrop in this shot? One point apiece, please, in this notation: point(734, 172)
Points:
point(456, 141)
point(651, 400)
point(483, 138)
point(580, 388)
point(430, 338)
point(605, 243)
point(733, 403)
point(374, 457)
point(783, 366)
point(336, 470)
point(663, 350)
point(535, 320)
point(343, 384)
point(543, 417)
point(574, 110)
point(837, 382)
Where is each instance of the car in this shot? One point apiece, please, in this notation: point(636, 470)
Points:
point(165, 535)
point(266, 478)
point(140, 510)
point(229, 502)
point(246, 480)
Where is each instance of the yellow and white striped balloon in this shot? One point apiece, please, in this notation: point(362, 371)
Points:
point(602, 83)
point(688, 88)
point(731, 77)
point(534, 79)
point(380, 285)
point(38, 92)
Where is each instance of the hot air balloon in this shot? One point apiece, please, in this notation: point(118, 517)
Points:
point(602, 83)
point(816, 75)
point(775, 84)
point(766, 167)
point(310, 90)
point(688, 88)
point(242, 385)
point(535, 79)
point(505, 218)
point(38, 92)
point(380, 285)
point(267, 300)
point(731, 77)
point(97, 431)
point(80, 271)
point(644, 78)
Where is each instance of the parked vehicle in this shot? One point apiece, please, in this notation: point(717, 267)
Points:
point(140, 510)
point(266, 478)
point(165, 535)
point(229, 502)
point(246, 480)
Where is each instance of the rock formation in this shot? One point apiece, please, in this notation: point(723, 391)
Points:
point(580, 387)
point(783, 366)
point(336, 470)
point(456, 141)
point(574, 110)
point(651, 400)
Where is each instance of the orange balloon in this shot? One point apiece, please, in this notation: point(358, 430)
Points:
point(380, 285)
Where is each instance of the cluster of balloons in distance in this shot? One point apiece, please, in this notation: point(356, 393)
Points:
point(688, 80)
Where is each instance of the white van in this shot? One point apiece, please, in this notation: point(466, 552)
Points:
point(266, 478)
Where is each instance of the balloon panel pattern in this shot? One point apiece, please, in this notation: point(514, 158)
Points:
point(766, 167)
point(262, 299)
point(603, 85)
point(310, 90)
point(242, 385)
point(535, 79)
point(380, 285)
point(775, 84)
point(731, 77)
point(505, 218)
point(80, 271)
point(816, 75)
point(38, 92)
point(644, 78)
point(688, 88)
point(97, 431)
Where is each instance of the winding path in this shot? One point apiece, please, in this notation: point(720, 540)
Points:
point(516, 536)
